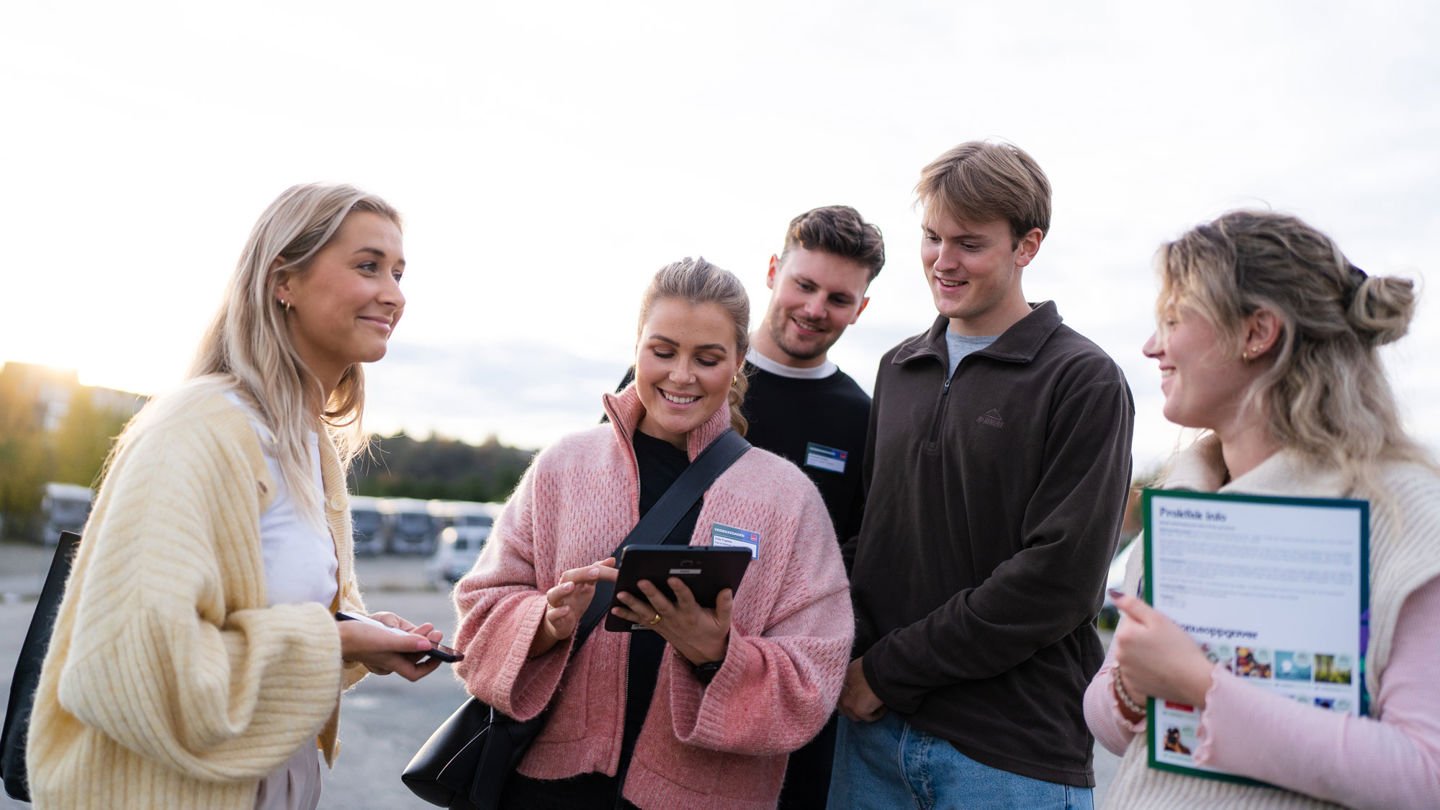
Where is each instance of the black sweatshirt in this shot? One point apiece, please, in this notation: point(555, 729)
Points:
point(820, 426)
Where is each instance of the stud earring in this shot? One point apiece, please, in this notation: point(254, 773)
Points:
point(285, 304)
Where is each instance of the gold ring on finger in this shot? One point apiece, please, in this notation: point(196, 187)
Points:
point(655, 620)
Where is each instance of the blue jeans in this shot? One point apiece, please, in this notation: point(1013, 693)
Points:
point(889, 765)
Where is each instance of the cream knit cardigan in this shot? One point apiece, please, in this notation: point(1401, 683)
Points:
point(169, 682)
point(1404, 554)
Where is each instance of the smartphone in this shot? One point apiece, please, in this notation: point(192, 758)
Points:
point(437, 651)
point(447, 654)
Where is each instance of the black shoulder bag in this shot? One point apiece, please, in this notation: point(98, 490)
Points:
point(27, 670)
point(464, 764)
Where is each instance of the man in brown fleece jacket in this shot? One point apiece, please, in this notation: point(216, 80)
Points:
point(997, 466)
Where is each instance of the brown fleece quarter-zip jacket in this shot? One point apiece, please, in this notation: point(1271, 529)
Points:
point(994, 503)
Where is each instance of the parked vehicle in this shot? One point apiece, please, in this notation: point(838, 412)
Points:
point(407, 526)
point(460, 542)
point(456, 553)
point(445, 514)
point(366, 525)
point(470, 513)
point(64, 508)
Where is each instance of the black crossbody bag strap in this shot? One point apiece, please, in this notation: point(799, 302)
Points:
point(665, 514)
point(14, 736)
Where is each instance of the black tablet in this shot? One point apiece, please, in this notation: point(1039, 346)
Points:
point(705, 570)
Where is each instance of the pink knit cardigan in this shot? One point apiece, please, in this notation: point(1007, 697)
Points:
point(721, 746)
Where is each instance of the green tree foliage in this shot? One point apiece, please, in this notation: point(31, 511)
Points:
point(75, 451)
point(401, 466)
point(24, 460)
point(82, 440)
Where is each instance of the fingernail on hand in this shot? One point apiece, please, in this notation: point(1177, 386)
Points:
point(1115, 593)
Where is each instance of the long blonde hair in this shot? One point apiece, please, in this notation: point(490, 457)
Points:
point(248, 344)
point(1326, 396)
point(697, 281)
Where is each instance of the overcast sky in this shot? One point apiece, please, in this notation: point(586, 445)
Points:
point(548, 157)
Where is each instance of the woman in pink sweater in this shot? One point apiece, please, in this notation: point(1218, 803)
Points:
point(703, 711)
point(1267, 340)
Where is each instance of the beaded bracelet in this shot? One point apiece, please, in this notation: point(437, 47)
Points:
point(1124, 697)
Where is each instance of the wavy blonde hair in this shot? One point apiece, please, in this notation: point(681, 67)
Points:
point(248, 343)
point(697, 281)
point(1326, 397)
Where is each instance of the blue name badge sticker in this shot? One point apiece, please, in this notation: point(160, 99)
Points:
point(722, 536)
point(825, 458)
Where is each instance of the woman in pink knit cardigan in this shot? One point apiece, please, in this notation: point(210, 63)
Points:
point(1268, 340)
point(703, 711)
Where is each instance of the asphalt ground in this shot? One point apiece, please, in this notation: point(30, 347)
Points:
point(384, 720)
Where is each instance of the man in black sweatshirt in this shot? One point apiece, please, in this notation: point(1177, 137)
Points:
point(997, 466)
point(801, 406)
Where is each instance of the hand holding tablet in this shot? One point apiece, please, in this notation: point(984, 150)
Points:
point(704, 571)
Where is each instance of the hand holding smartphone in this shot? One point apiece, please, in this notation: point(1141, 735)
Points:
point(439, 652)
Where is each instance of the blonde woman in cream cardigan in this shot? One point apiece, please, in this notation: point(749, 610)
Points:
point(196, 661)
point(1267, 340)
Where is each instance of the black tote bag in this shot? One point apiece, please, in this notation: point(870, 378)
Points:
point(27, 670)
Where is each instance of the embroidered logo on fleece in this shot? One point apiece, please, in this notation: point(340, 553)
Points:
point(991, 418)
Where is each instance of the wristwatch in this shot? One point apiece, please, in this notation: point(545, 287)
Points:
point(705, 673)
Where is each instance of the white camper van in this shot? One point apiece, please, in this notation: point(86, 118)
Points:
point(460, 543)
point(64, 508)
point(408, 527)
point(365, 524)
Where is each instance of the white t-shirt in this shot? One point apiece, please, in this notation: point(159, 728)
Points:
point(779, 369)
point(299, 554)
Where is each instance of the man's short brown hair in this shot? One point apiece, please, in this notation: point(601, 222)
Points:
point(838, 230)
point(979, 181)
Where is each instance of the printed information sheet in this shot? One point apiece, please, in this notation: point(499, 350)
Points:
point(1273, 589)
